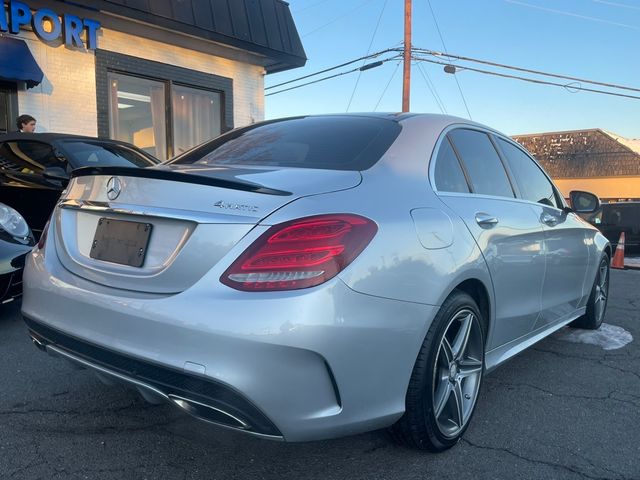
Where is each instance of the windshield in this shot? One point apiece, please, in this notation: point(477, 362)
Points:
point(327, 142)
point(84, 153)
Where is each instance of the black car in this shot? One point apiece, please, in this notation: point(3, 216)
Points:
point(16, 240)
point(35, 167)
point(615, 218)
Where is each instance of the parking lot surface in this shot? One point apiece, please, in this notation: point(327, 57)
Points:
point(564, 409)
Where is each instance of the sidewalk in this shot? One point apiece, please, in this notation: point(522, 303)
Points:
point(632, 262)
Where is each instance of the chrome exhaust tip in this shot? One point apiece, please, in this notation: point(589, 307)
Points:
point(39, 345)
point(208, 413)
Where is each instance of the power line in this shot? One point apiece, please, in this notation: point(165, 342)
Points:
point(355, 87)
point(532, 80)
point(617, 4)
point(435, 20)
point(366, 57)
point(393, 74)
point(340, 17)
point(428, 82)
point(526, 70)
point(364, 67)
point(310, 6)
point(571, 14)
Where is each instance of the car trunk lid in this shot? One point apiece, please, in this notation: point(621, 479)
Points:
point(196, 215)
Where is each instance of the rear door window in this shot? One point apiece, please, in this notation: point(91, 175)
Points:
point(484, 167)
point(448, 174)
point(325, 142)
point(532, 182)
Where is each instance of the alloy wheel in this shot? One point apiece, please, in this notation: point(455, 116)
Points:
point(457, 372)
point(602, 291)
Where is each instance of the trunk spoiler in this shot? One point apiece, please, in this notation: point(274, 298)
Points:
point(173, 176)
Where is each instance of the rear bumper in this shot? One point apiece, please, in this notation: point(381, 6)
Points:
point(199, 396)
point(304, 365)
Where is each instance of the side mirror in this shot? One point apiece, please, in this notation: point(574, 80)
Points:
point(584, 202)
point(56, 174)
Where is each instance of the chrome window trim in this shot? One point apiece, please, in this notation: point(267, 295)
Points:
point(518, 198)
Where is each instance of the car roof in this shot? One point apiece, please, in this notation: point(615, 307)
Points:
point(52, 136)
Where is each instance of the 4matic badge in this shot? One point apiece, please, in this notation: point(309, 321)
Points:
point(235, 206)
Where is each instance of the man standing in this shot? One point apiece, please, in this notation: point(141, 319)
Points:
point(26, 124)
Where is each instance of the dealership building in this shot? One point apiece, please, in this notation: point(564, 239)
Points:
point(593, 160)
point(164, 75)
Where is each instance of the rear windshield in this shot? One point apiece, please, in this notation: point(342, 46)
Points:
point(87, 154)
point(331, 142)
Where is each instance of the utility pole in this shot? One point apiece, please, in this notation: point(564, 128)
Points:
point(406, 80)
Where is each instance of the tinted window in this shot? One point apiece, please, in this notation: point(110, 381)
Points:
point(85, 154)
point(481, 160)
point(336, 143)
point(25, 156)
point(448, 173)
point(621, 215)
point(533, 184)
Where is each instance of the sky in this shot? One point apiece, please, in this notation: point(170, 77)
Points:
point(592, 39)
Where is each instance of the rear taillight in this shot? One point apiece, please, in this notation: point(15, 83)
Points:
point(301, 253)
point(43, 235)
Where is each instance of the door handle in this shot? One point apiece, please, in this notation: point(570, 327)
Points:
point(549, 219)
point(486, 220)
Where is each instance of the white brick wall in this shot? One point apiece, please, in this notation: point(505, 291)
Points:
point(248, 81)
point(66, 100)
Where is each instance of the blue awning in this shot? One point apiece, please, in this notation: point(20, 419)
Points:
point(17, 63)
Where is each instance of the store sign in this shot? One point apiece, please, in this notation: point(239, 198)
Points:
point(49, 27)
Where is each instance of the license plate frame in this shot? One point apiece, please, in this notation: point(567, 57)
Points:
point(121, 241)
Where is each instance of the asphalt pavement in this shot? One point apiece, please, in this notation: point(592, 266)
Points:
point(561, 410)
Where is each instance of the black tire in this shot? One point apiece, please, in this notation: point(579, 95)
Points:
point(593, 317)
point(418, 427)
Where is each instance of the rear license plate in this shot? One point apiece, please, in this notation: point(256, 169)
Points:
point(120, 241)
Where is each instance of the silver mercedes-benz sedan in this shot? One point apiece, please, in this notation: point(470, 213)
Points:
point(318, 276)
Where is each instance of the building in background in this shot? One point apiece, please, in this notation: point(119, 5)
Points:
point(164, 75)
point(594, 160)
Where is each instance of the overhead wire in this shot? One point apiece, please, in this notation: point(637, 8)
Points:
point(526, 70)
point(366, 57)
point(617, 4)
point(427, 80)
point(393, 74)
point(340, 17)
point(566, 86)
point(572, 14)
point(355, 87)
point(435, 20)
point(309, 6)
point(322, 79)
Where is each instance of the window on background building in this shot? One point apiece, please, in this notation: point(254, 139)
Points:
point(4, 120)
point(8, 107)
point(196, 117)
point(137, 113)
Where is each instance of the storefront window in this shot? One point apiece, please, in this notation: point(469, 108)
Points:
point(8, 107)
point(196, 117)
point(137, 113)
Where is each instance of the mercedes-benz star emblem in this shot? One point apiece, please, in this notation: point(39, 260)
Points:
point(114, 187)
